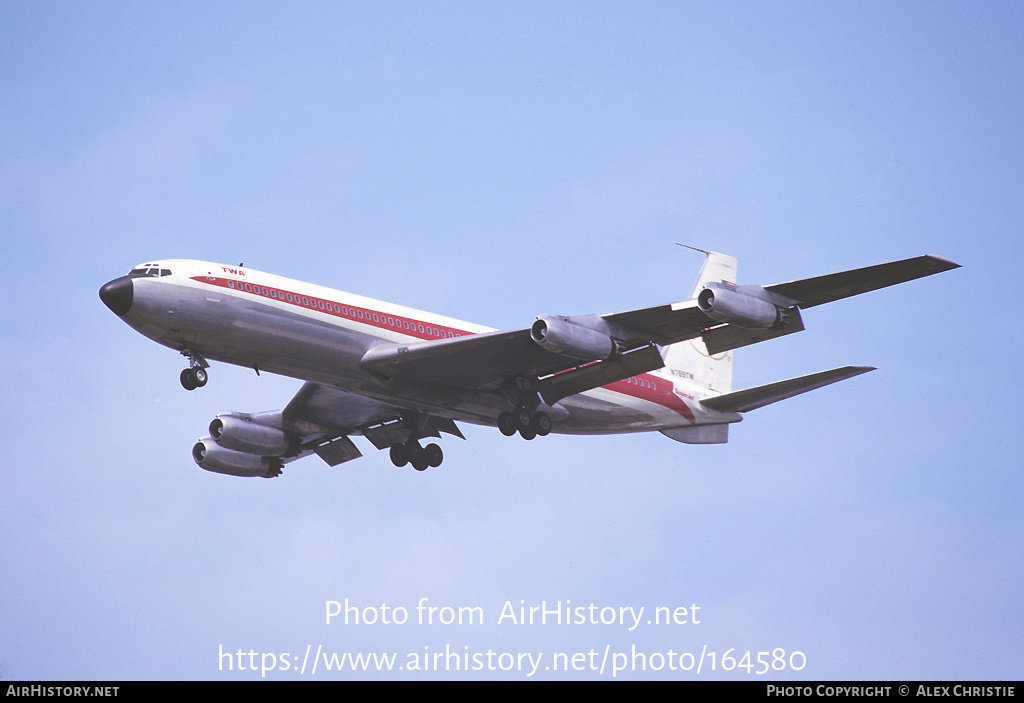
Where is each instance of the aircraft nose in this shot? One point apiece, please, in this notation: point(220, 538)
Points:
point(118, 294)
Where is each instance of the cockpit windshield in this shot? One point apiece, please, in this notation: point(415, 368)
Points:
point(148, 271)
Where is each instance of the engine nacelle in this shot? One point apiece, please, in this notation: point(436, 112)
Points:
point(739, 309)
point(556, 334)
point(250, 437)
point(213, 457)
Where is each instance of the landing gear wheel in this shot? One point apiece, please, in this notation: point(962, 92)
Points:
point(541, 424)
point(399, 455)
point(433, 455)
point(417, 456)
point(193, 378)
point(527, 433)
point(507, 424)
point(523, 419)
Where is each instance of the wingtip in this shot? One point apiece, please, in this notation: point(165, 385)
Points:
point(941, 263)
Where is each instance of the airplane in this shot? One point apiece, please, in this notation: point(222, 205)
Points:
point(396, 375)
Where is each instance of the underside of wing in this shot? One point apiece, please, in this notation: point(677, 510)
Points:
point(318, 420)
point(329, 411)
point(590, 350)
point(480, 361)
point(809, 292)
point(663, 324)
point(757, 313)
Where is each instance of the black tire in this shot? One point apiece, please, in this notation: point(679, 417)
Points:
point(187, 382)
point(523, 419)
point(433, 455)
point(527, 433)
point(200, 376)
point(507, 424)
point(541, 424)
point(399, 455)
point(417, 456)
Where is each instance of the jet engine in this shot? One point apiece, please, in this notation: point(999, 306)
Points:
point(251, 437)
point(213, 457)
point(559, 335)
point(740, 309)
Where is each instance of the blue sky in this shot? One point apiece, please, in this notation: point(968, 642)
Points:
point(493, 162)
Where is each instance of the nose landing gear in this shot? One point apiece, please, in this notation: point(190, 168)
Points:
point(195, 376)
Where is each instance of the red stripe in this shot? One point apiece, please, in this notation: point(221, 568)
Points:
point(313, 303)
point(661, 392)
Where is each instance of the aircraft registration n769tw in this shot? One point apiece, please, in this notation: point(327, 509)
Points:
point(397, 376)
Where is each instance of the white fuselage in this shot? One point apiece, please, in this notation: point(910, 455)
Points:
point(279, 325)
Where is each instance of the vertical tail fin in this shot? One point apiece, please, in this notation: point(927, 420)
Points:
point(689, 361)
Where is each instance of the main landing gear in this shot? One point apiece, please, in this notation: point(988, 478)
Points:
point(420, 457)
point(528, 424)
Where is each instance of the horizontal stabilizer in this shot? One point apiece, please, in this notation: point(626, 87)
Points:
point(753, 398)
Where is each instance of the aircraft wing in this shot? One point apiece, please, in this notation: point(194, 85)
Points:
point(489, 360)
point(664, 324)
point(479, 361)
point(318, 420)
point(322, 417)
point(809, 292)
